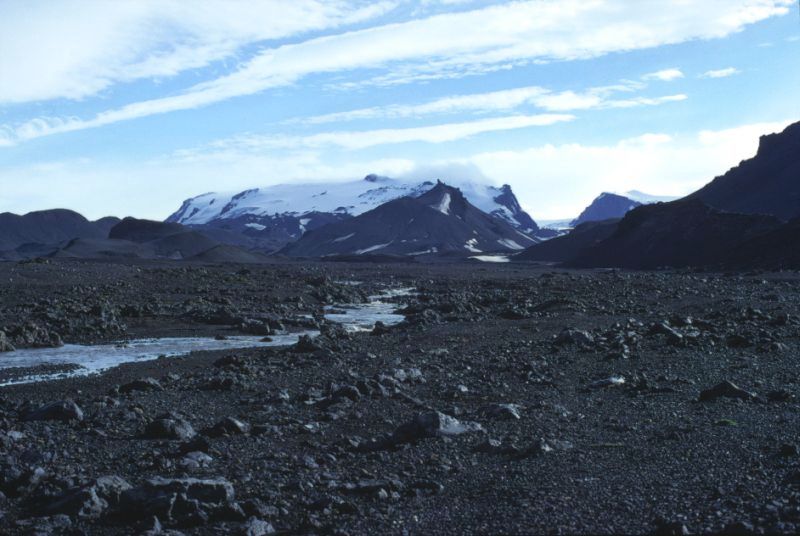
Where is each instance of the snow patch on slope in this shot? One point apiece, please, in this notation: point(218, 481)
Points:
point(444, 205)
point(370, 249)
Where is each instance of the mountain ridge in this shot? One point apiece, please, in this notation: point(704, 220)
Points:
point(440, 221)
point(280, 214)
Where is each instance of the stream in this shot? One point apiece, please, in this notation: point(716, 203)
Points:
point(70, 360)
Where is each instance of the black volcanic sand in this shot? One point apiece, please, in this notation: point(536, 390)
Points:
point(321, 447)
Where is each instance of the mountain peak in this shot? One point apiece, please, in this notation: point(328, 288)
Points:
point(441, 220)
point(445, 198)
point(604, 207)
point(764, 184)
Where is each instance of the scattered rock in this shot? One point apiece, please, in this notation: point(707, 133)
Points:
point(573, 336)
point(90, 501)
point(169, 426)
point(183, 502)
point(725, 389)
point(612, 381)
point(501, 412)
point(432, 424)
point(228, 427)
point(145, 384)
point(5, 343)
point(63, 410)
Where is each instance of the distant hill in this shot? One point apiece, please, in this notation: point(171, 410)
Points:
point(606, 206)
point(49, 227)
point(677, 234)
point(176, 241)
point(567, 247)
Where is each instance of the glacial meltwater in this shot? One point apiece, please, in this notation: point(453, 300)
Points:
point(363, 316)
point(43, 364)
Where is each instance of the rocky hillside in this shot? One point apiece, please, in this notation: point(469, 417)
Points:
point(769, 183)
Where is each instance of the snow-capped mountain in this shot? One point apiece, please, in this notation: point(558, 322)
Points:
point(606, 206)
point(609, 206)
point(280, 214)
point(647, 199)
point(439, 221)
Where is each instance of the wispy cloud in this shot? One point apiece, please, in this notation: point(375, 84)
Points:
point(656, 163)
point(504, 100)
point(76, 48)
point(721, 73)
point(361, 139)
point(666, 75)
point(450, 44)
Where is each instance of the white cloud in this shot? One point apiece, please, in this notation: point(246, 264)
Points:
point(502, 100)
point(558, 181)
point(666, 75)
point(77, 48)
point(551, 181)
point(354, 140)
point(98, 189)
point(721, 73)
point(450, 44)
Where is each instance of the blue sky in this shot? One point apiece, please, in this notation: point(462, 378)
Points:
point(129, 107)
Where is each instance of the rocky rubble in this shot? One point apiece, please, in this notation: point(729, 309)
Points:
point(513, 400)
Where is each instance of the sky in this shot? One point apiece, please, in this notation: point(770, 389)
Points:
point(129, 107)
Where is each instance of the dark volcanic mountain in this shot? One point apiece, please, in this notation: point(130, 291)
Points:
point(440, 220)
point(142, 231)
point(168, 240)
point(606, 206)
point(49, 227)
point(567, 247)
point(769, 183)
point(775, 250)
point(677, 234)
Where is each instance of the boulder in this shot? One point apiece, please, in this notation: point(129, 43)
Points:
point(144, 384)
point(725, 389)
point(432, 424)
point(183, 502)
point(63, 410)
point(5, 343)
point(228, 427)
point(91, 501)
point(169, 426)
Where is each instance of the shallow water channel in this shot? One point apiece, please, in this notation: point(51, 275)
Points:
point(81, 360)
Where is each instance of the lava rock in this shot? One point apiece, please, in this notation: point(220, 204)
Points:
point(574, 336)
point(63, 410)
point(725, 389)
point(228, 427)
point(145, 384)
point(183, 502)
point(5, 343)
point(305, 344)
point(501, 412)
point(169, 426)
point(91, 501)
point(257, 527)
point(432, 424)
